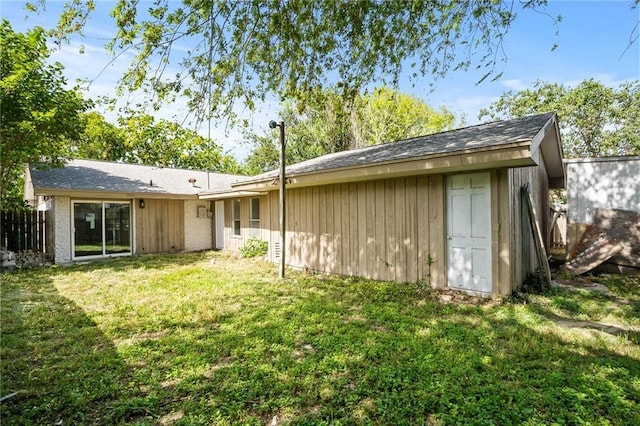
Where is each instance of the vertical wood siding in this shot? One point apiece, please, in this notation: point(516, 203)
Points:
point(386, 229)
point(159, 226)
point(435, 237)
point(523, 255)
point(394, 229)
point(269, 220)
point(502, 238)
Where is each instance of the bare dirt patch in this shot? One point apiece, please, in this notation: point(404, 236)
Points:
point(579, 283)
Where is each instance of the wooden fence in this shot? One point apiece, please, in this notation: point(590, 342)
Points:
point(22, 230)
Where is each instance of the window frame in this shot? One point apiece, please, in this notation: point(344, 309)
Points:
point(236, 228)
point(103, 227)
point(254, 214)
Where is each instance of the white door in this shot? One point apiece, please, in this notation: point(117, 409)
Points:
point(219, 206)
point(469, 232)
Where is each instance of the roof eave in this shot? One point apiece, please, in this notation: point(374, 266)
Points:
point(516, 154)
point(546, 149)
point(106, 194)
point(222, 195)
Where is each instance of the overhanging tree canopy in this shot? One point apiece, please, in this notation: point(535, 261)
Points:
point(241, 50)
point(595, 120)
point(328, 123)
point(39, 116)
point(143, 139)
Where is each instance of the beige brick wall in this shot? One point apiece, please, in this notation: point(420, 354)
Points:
point(62, 229)
point(197, 229)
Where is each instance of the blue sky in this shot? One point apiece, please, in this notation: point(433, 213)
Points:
point(593, 42)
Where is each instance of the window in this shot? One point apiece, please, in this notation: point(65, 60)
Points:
point(235, 215)
point(254, 217)
point(87, 228)
point(117, 232)
point(254, 213)
point(101, 228)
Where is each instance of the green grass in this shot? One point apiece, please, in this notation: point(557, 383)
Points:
point(96, 249)
point(212, 339)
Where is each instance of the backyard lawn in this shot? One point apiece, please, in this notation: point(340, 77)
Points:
point(209, 338)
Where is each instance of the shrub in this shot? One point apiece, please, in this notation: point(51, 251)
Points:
point(254, 247)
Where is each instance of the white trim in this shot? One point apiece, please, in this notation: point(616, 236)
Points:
point(233, 218)
point(254, 224)
point(219, 223)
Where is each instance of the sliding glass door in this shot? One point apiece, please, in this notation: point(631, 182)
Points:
point(101, 228)
point(87, 222)
point(117, 230)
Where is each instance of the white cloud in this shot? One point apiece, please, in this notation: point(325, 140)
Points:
point(605, 78)
point(514, 84)
point(469, 106)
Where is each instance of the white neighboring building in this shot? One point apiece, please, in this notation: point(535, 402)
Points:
point(599, 183)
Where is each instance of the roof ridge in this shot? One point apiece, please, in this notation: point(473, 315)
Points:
point(123, 163)
point(489, 123)
point(368, 154)
point(414, 138)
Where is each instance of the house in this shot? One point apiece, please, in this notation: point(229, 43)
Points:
point(101, 209)
point(445, 208)
point(604, 194)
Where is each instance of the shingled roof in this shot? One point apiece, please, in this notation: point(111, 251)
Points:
point(110, 177)
point(98, 176)
point(482, 136)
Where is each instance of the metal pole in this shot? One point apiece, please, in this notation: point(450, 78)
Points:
point(282, 204)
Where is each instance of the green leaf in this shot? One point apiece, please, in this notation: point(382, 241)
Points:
point(242, 51)
point(39, 115)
